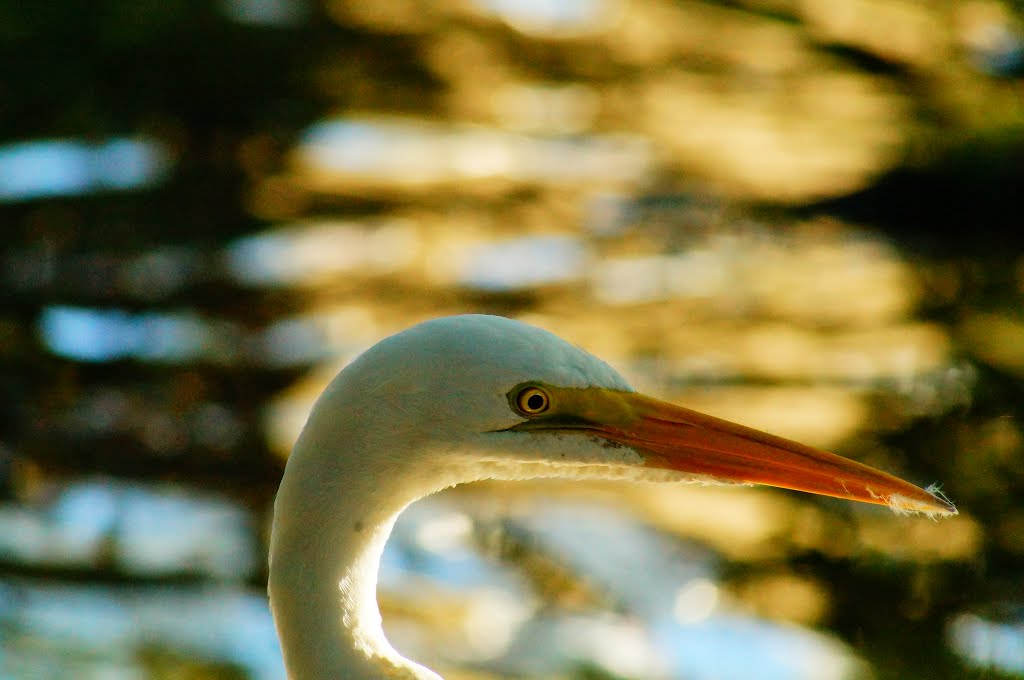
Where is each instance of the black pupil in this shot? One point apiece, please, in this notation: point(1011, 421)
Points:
point(535, 402)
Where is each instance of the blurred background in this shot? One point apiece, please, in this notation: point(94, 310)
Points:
point(804, 215)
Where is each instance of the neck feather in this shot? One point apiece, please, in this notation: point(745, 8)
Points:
point(338, 501)
point(331, 522)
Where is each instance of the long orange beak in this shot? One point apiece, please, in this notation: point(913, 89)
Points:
point(671, 437)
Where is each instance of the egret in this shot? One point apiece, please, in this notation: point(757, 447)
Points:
point(473, 397)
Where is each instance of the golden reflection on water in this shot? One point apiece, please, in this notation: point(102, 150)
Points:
point(809, 330)
point(825, 315)
point(591, 167)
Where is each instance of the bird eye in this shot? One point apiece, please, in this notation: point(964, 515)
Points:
point(533, 401)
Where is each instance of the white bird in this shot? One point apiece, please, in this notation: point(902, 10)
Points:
point(464, 398)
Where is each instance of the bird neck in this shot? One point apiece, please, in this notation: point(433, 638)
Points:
point(331, 521)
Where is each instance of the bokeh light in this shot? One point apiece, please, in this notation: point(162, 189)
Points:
point(802, 216)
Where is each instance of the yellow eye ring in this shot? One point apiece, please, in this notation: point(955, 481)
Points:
point(533, 401)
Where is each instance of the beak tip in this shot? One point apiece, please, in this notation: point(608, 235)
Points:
point(934, 505)
point(946, 506)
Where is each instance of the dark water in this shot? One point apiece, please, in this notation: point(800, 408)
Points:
point(800, 217)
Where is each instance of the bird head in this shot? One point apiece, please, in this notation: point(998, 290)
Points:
point(515, 395)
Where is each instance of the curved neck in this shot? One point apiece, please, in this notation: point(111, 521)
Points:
point(331, 521)
point(346, 482)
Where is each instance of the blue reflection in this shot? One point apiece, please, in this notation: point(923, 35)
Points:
point(49, 168)
point(612, 548)
point(456, 565)
point(985, 643)
point(86, 335)
point(523, 263)
point(294, 342)
point(108, 632)
point(432, 539)
point(143, 530)
point(168, 532)
point(106, 335)
point(83, 516)
point(770, 651)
